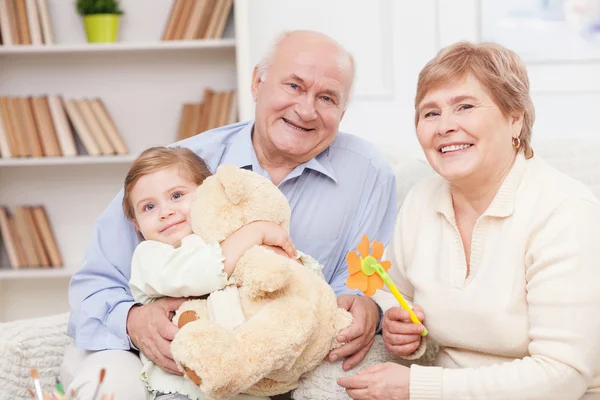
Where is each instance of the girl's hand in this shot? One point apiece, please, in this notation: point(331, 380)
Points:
point(275, 236)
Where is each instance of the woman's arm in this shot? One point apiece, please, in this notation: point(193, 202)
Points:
point(562, 271)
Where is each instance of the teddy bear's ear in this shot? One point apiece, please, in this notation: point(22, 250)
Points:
point(232, 179)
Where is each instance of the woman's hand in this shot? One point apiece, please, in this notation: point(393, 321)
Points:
point(387, 381)
point(400, 335)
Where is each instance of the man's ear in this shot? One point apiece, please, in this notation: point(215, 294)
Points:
point(342, 116)
point(256, 81)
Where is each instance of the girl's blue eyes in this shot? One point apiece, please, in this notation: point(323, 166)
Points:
point(174, 196)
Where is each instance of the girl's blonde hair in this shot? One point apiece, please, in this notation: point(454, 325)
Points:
point(501, 72)
point(157, 158)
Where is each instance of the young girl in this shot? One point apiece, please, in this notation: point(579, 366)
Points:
point(173, 261)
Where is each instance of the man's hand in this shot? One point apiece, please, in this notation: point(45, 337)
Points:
point(151, 330)
point(387, 381)
point(360, 334)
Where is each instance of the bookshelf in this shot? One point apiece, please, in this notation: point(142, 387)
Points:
point(143, 81)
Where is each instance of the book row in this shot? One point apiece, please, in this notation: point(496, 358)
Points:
point(28, 238)
point(50, 126)
point(216, 109)
point(25, 22)
point(197, 19)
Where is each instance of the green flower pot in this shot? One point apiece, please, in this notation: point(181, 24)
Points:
point(101, 28)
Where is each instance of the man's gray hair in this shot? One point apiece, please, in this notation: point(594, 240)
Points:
point(267, 59)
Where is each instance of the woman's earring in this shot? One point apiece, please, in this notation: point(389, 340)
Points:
point(516, 142)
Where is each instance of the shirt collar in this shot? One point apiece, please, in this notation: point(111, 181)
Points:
point(504, 201)
point(241, 153)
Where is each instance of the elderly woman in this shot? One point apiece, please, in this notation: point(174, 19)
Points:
point(499, 249)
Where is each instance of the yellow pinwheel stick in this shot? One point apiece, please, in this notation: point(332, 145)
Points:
point(403, 303)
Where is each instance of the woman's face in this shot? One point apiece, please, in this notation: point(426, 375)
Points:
point(463, 133)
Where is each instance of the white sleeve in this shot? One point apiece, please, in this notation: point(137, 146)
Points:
point(563, 298)
point(193, 269)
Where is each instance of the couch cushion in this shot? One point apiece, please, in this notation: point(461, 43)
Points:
point(31, 343)
point(409, 166)
point(576, 156)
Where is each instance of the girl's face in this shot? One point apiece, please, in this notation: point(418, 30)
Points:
point(161, 202)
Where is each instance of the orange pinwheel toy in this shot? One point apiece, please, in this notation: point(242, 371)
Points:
point(367, 274)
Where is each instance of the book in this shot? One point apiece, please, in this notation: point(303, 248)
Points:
point(50, 245)
point(94, 127)
point(5, 150)
point(8, 126)
point(33, 19)
point(8, 238)
point(23, 25)
point(36, 235)
point(6, 29)
point(81, 129)
point(109, 127)
point(62, 128)
point(44, 16)
point(11, 13)
point(25, 237)
point(43, 118)
point(18, 130)
point(29, 126)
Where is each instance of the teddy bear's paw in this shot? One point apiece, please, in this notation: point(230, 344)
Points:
point(191, 375)
point(185, 318)
point(264, 271)
point(198, 311)
point(343, 319)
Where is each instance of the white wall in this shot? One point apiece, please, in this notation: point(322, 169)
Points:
point(392, 40)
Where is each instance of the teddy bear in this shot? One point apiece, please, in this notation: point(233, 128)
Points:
point(290, 313)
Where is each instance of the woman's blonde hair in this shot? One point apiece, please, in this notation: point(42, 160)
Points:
point(157, 158)
point(501, 72)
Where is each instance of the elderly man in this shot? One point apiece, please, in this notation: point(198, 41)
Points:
point(338, 186)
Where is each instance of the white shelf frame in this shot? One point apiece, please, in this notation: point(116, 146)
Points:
point(7, 273)
point(75, 160)
point(171, 45)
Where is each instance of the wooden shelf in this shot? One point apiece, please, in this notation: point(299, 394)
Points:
point(7, 273)
point(57, 161)
point(85, 48)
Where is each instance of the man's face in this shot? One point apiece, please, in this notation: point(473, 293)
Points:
point(301, 102)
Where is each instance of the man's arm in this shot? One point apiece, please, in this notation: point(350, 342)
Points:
point(375, 218)
point(99, 294)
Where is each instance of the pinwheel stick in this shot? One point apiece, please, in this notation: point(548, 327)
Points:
point(370, 266)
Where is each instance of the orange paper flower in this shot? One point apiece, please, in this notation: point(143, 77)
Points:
point(366, 282)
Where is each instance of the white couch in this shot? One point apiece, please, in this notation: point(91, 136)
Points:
point(40, 342)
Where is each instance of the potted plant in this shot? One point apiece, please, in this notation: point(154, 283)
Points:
point(101, 19)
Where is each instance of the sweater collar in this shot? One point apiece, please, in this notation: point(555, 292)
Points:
point(503, 203)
